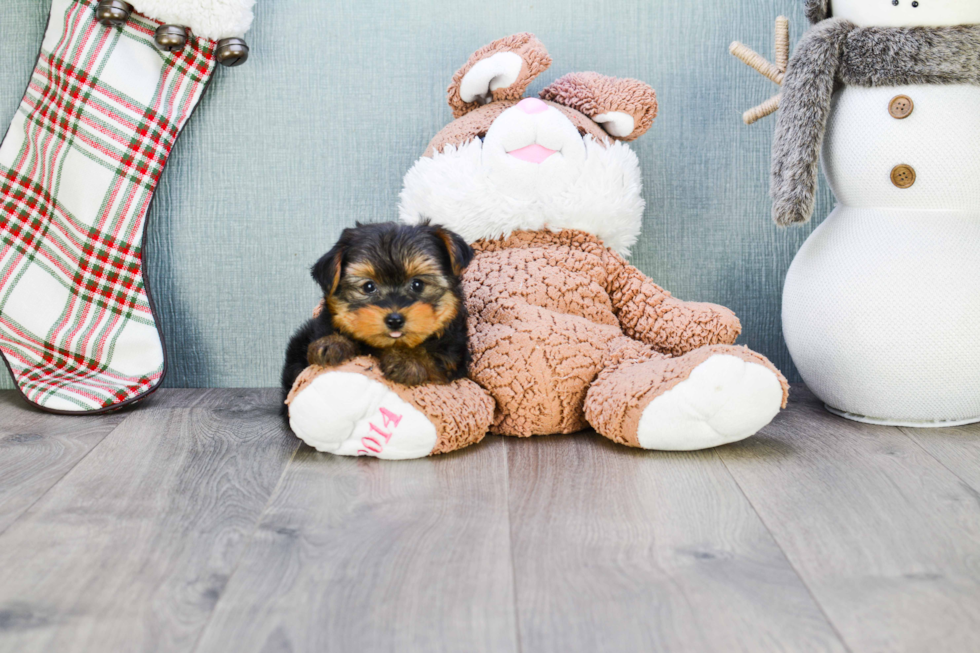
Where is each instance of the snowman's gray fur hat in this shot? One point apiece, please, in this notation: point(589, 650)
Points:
point(817, 10)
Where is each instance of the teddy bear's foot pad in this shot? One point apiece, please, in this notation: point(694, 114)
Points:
point(725, 399)
point(349, 414)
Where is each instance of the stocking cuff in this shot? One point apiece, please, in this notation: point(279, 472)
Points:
point(210, 19)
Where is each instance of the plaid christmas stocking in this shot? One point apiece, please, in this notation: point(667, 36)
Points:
point(78, 169)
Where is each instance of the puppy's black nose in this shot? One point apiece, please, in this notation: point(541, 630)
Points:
point(395, 321)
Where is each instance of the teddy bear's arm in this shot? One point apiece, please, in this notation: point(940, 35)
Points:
point(650, 314)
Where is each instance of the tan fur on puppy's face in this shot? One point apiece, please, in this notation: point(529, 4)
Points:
point(361, 315)
point(365, 324)
point(423, 267)
point(423, 320)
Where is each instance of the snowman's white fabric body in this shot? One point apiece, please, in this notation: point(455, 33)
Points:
point(881, 307)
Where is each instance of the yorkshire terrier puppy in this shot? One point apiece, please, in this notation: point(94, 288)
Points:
point(392, 291)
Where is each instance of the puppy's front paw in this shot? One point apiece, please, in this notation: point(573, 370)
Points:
point(406, 367)
point(405, 372)
point(331, 351)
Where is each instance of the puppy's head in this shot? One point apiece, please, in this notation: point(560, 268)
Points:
point(393, 285)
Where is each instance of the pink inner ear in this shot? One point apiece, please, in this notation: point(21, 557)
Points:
point(532, 153)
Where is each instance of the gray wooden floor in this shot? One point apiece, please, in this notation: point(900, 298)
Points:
point(198, 523)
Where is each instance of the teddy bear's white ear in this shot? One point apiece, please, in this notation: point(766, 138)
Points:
point(617, 124)
point(499, 71)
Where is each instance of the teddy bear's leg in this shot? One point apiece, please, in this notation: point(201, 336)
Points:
point(711, 396)
point(352, 410)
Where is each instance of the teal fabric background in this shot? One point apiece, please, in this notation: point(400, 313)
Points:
point(339, 99)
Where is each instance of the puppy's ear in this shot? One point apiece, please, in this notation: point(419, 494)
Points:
point(460, 254)
point(328, 269)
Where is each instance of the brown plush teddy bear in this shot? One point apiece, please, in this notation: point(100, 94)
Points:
point(564, 333)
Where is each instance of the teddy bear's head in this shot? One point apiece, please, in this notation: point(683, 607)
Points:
point(510, 163)
point(897, 13)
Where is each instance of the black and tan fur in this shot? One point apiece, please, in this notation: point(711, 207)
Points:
point(375, 274)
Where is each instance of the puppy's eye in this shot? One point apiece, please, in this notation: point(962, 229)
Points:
point(417, 285)
point(369, 288)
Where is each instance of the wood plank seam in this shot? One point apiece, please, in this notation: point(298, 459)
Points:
point(510, 545)
point(63, 476)
point(789, 560)
point(905, 431)
point(191, 502)
point(247, 545)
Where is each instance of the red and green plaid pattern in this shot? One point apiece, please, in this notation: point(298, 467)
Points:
point(78, 168)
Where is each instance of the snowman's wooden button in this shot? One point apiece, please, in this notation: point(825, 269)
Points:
point(903, 176)
point(901, 107)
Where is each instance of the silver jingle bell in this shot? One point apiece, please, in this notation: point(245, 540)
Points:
point(113, 12)
point(232, 52)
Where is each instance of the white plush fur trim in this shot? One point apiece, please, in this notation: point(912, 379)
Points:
point(455, 189)
point(210, 19)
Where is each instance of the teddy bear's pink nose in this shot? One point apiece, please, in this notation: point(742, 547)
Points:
point(532, 105)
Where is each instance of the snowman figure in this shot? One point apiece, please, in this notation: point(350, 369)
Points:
point(881, 307)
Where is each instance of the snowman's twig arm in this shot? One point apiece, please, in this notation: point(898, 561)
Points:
point(775, 72)
point(756, 61)
point(782, 43)
point(767, 108)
